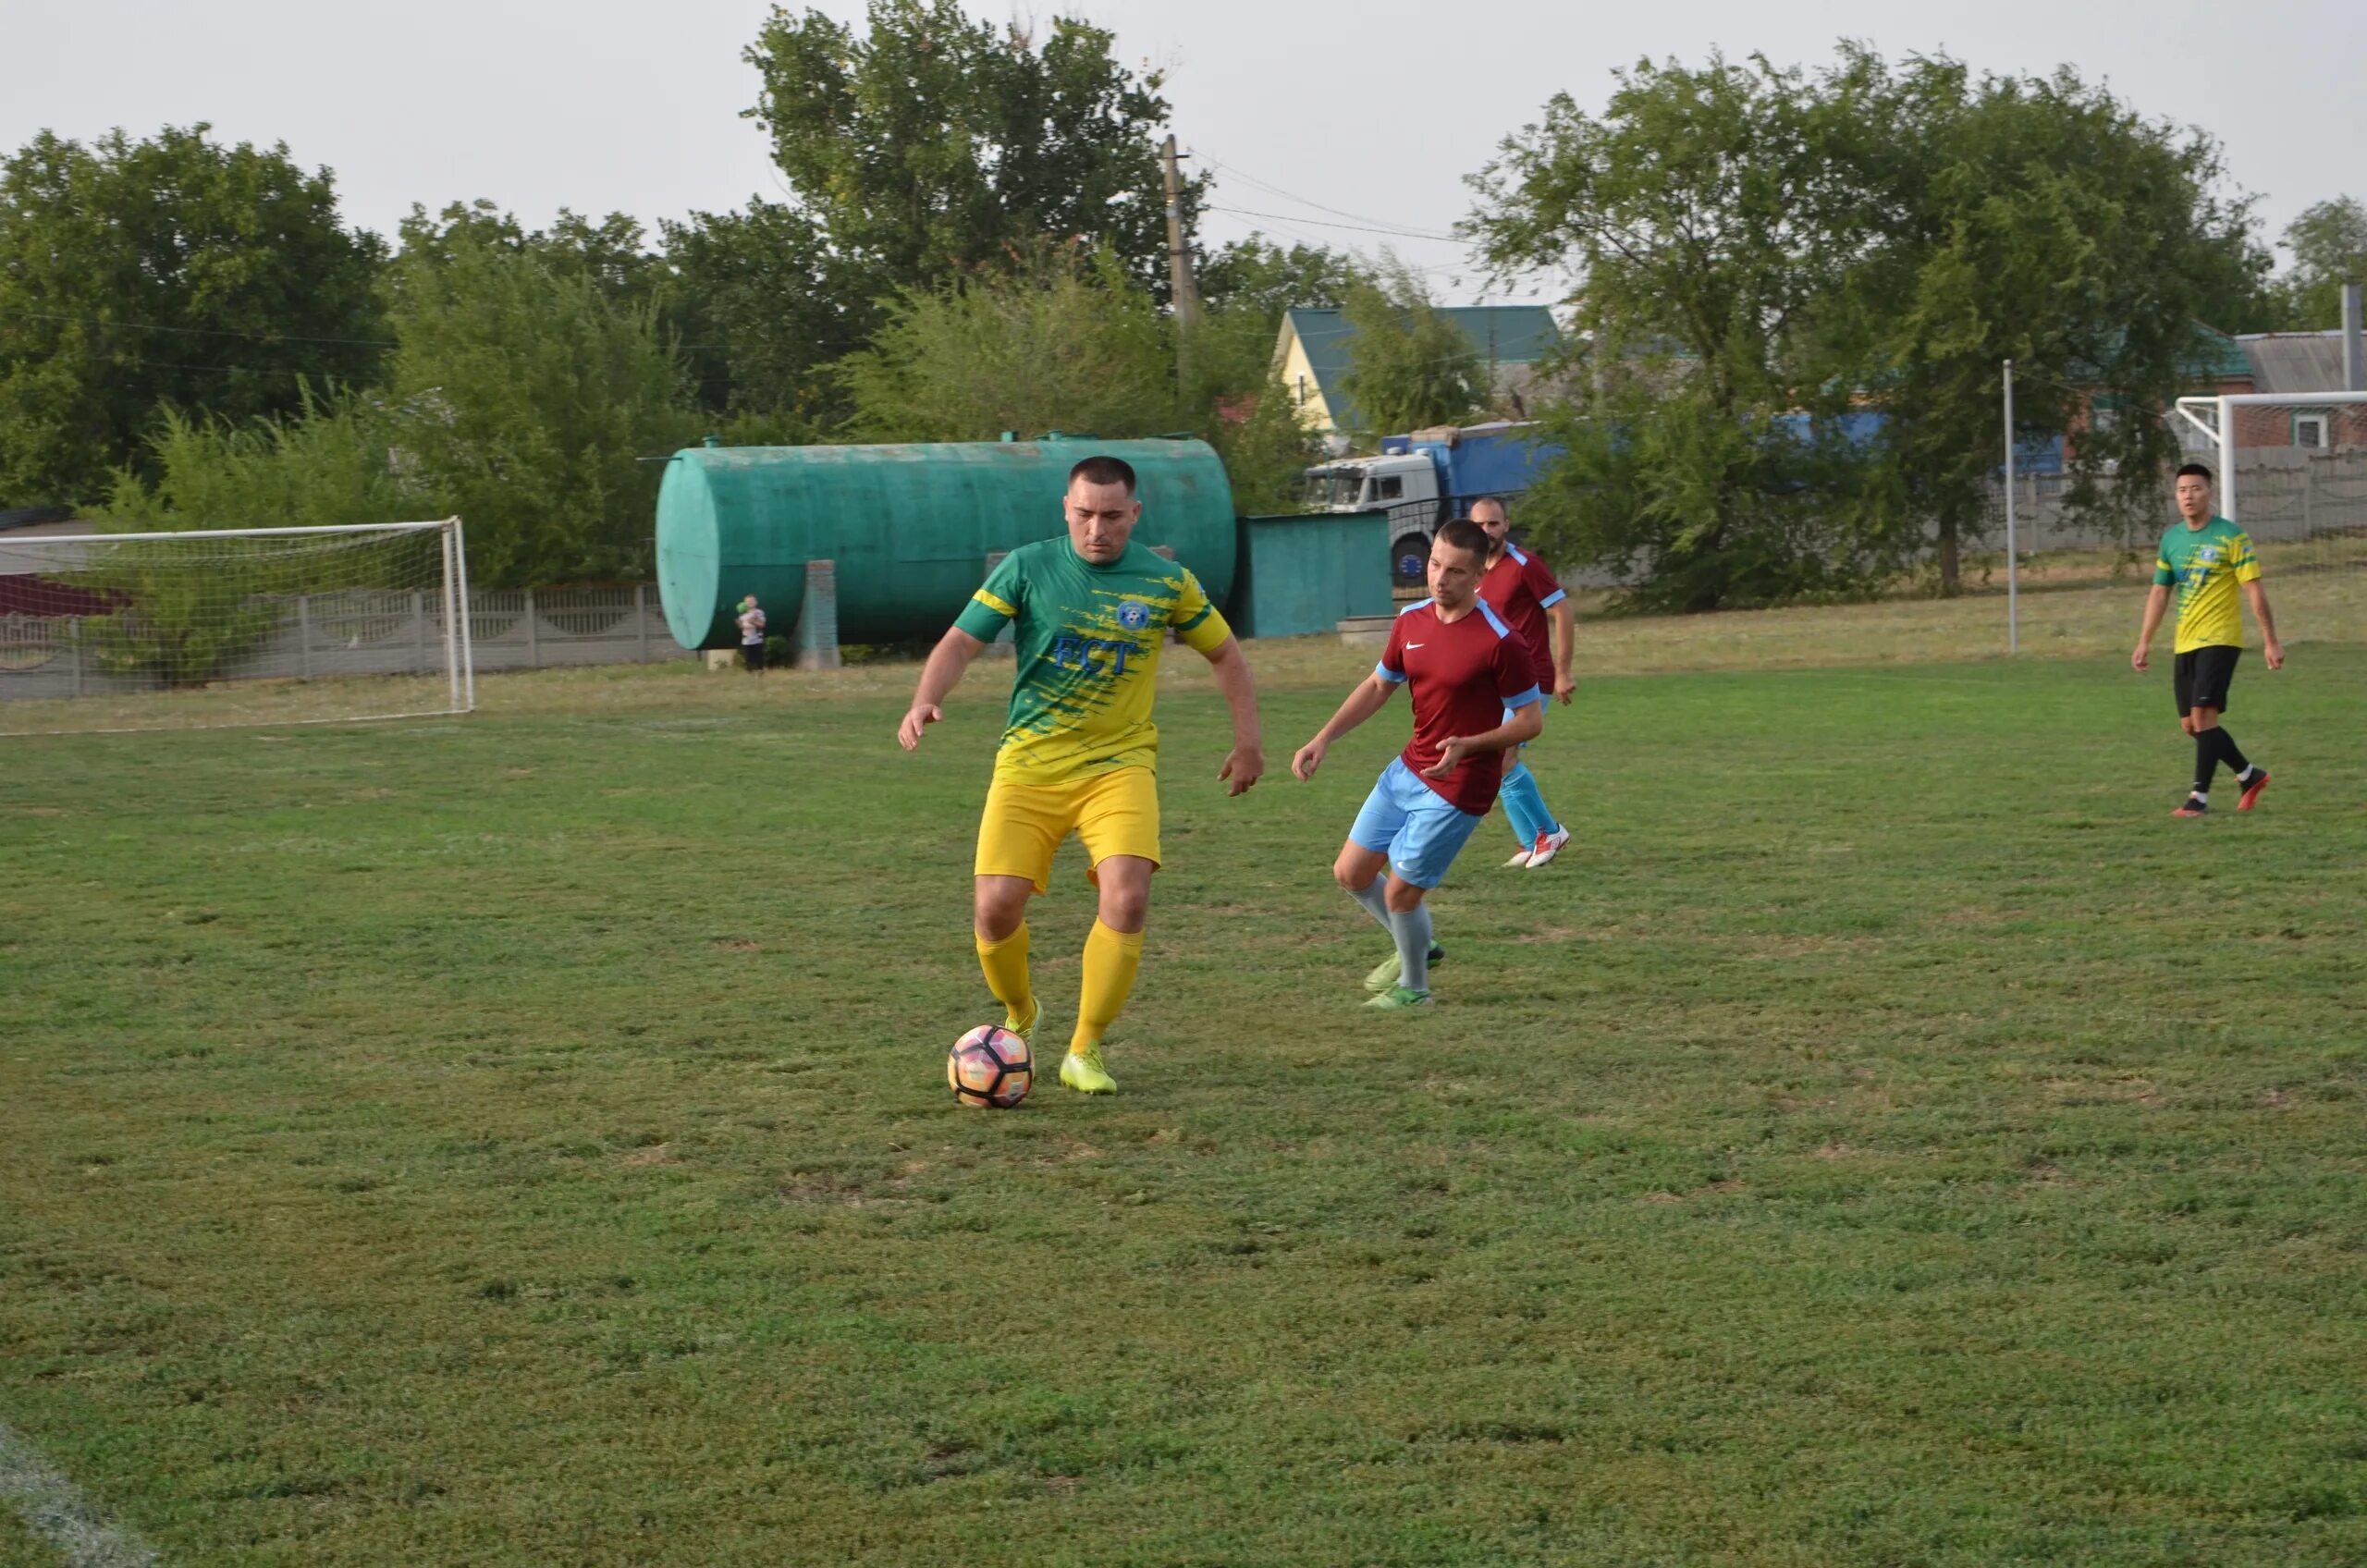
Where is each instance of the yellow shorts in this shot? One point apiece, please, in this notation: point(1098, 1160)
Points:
point(1114, 814)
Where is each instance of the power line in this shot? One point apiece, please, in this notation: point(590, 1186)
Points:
point(1303, 201)
point(1288, 229)
point(1319, 223)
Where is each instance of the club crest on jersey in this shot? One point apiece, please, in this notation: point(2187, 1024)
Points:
point(1134, 615)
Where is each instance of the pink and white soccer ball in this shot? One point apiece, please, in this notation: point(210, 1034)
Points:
point(991, 1067)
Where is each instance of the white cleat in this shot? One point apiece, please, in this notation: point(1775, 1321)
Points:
point(1520, 857)
point(1548, 846)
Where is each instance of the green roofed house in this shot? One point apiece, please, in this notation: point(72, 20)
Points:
point(1312, 354)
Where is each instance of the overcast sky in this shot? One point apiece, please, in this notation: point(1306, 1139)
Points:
point(1326, 114)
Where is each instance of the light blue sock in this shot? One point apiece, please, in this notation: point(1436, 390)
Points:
point(1372, 895)
point(1526, 805)
point(1411, 930)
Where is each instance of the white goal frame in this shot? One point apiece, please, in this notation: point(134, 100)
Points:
point(2223, 430)
point(450, 592)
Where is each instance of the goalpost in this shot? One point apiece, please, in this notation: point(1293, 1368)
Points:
point(2292, 470)
point(215, 627)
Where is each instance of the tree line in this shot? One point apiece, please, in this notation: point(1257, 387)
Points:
point(191, 336)
point(973, 241)
point(1795, 289)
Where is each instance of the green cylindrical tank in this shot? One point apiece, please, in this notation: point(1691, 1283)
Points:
point(909, 526)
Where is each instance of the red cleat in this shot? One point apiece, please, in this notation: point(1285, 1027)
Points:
point(2253, 789)
point(2192, 808)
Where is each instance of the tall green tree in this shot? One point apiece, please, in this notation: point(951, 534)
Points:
point(1408, 366)
point(762, 308)
point(2040, 220)
point(1258, 274)
point(1758, 253)
point(1069, 342)
point(2329, 246)
point(925, 145)
point(523, 397)
point(612, 254)
point(171, 271)
point(1700, 219)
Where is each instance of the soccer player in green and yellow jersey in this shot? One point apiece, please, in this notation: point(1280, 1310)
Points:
point(1089, 613)
point(2208, 559)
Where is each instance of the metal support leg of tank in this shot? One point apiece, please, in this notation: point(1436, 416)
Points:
point(817, 620)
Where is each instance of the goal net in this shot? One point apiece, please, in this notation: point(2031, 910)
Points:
point(107, 631)
point(2291, 472)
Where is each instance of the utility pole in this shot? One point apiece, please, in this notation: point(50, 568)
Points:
point(1179, 260)
point(2013, 597)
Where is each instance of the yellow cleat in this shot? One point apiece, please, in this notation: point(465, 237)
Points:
point(1083, 1072)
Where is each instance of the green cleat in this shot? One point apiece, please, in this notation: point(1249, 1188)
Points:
point(1398, 996)
point(1083, 1072)
point(1384, 975)
point(1026, 1031)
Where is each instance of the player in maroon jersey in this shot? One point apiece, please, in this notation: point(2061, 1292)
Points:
point(1475, 695)
point(1520, 588)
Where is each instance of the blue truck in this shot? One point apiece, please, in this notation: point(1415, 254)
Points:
point(1425, 478)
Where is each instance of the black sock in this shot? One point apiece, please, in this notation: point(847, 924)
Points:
point(2228, 753)
point(2206, 760)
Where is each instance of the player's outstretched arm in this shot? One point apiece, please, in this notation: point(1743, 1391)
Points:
point(2258, 597)
point(2156, 603)
point(1246, 762)
point(1370, 694)
point(940, 675)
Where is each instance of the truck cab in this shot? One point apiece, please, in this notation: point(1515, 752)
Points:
point(1425, 477)
point(1405, 484)
point(1368, 484)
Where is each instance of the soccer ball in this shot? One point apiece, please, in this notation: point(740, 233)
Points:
point(989, 1066)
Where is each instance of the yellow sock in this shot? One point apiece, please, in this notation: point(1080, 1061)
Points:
point(1005, 963)
point(1111, 960)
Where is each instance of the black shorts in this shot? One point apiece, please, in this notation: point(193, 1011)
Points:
point(2200, 676)
point(752, 655)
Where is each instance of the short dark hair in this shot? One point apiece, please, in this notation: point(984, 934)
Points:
point(1105, 471)
point(1495, 501)
point(2199, 471)
point(1466, 535)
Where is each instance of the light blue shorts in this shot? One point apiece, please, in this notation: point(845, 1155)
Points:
point(1417, 827)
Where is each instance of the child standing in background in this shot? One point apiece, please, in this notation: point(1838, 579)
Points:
point(751, 635)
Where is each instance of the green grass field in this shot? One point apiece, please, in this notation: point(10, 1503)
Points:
point(1886, 1138)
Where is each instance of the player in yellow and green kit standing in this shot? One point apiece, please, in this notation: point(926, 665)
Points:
point(2207, 558)
point(1090, 613)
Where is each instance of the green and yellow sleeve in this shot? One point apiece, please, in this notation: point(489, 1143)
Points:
point(996, 602)
point(1195, 619)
